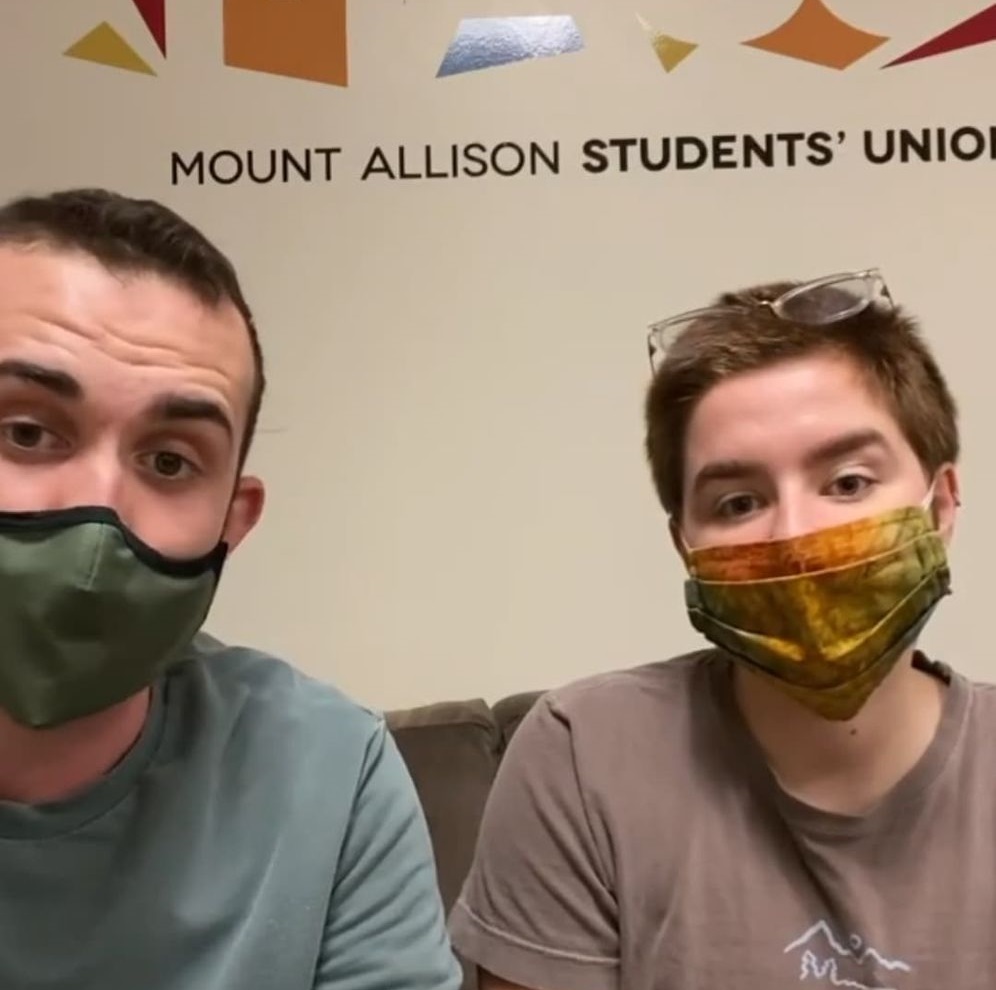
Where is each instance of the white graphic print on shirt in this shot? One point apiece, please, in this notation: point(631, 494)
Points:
point(847, 963)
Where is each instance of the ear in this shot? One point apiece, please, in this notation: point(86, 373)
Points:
point(947, 499)
point(245, 510)
point(674, 528)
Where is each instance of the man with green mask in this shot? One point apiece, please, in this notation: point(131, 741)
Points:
point(809, 800)
point(175, 814)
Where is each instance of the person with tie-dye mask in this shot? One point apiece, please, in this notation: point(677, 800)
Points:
point(815, 543)
point(809, 797)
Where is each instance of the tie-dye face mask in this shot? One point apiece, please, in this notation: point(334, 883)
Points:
point(825, 615)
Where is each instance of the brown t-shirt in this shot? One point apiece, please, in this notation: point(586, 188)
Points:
point(636, 839)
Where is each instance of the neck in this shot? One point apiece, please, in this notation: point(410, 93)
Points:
point(844, 767)
point(38, 766)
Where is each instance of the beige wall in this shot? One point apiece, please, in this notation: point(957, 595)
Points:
point(452, 441)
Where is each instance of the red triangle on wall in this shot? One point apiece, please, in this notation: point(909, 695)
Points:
point(154, 14)
point(980, 29)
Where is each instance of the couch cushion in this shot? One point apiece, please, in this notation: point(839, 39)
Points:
point(509, 712)
point(451, 750)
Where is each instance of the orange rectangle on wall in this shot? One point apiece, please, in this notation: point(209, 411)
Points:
point(301, 39)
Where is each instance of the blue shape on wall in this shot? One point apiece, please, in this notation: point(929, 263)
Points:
point(486, 42)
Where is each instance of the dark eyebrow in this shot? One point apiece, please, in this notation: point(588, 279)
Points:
point(59, 382)
point(842, 446)
point(166, 407)
point(185, 407)
point(729, 470)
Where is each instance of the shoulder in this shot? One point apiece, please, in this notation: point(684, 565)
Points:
point(983, 698)
point(650, 691)
point(981, 705)
point(966, 733)
point(226, 694)
point(623, 725)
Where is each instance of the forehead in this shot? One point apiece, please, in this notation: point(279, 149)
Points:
point(140, 330)
point(777, 414)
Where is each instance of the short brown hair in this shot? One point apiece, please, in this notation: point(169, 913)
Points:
point(883, 341)
point(137, 235)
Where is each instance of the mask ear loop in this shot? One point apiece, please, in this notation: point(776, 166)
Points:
point(927, 504)
point(681, 544)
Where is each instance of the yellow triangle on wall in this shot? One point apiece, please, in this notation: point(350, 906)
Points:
point(105, 46)
point(671, 51)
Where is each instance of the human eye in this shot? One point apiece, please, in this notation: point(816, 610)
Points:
point(851, 486)
point(737, 506)
point(169, 466)
point(28, 437)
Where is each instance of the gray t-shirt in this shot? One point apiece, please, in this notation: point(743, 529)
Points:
point(263, 834)
point(635, 839)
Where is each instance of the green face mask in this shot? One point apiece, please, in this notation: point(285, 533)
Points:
point(89, 614)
